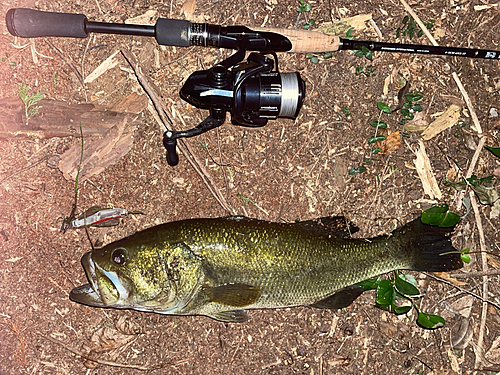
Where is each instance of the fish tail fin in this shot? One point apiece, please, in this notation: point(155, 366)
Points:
point(430, 245)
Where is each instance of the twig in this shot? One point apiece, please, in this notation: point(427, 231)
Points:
point(110, 363)
point(70, 64)
point(463, 290)
point(183, 145)
point(475, 120)
point(484, 261)
point(25, 168)
point(471, 168)
point(475, 274)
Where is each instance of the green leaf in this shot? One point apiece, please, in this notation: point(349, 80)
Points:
point(413, 97)
point(398, 310)
point(369, 284)
point(359, 53)
point(386, 295)
point(404, 111)
point(376, 138)
point(378, 124)
point(314, 59)
point(494, 150)
point(383, 107)
point(348, 34)
point(376, 150)
point(417, 107)
point(405, 286)
point(359, 169)
point(440, 215)
point(328, 55)
point(465, 258)
point(430, 321)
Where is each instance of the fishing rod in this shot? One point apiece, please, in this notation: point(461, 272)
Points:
point(253, 91)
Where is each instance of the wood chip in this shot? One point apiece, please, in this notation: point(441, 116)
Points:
point(98, 153)
point(424, 170)
point(446, 120)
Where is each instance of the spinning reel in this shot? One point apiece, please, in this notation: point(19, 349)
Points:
point(251, 91)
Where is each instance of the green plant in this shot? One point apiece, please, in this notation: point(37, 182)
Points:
point(379, 124)
point(356, 170)
point(29, 100)
point(486, 195)
point(410, 26)
point(369, 72)
point(309, 23)
point(314, 57)
point(346, 111)
point(403, 287)
point(362, 51)
point(303, 8)
point(494, 150)
point(55, 81)
point(410, 107)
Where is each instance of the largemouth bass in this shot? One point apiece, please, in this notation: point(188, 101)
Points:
point(221, 267)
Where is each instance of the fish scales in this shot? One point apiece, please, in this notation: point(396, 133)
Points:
point(219, 267)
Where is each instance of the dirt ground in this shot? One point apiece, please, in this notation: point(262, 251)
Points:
point(286, 171)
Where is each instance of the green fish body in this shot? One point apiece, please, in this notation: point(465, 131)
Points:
point(221, 267)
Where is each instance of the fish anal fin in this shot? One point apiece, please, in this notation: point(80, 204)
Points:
point(237, 295)
point(232, 316)
point(341, 298)
point(331, 226)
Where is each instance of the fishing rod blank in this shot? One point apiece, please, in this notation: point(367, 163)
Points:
point(29, 23)
point(346, 44)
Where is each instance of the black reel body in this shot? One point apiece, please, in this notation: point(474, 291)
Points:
point(252, 92)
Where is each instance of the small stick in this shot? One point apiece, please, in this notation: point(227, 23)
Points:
point(183, 145)
point(475, 274)
point(110, 363)
point(70, 64)
point(484, 261)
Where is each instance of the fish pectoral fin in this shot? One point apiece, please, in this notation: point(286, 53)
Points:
point(233, 316)
point(237, 295)
point(341, 298)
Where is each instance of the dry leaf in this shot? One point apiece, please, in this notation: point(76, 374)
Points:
point(463, 305)
point(461, 334)
point(390, 144)
point(493, 353)
point(419, 123)
point(424, 170)
point(358, 23)
point(108, 341)
point(98, 153)
point(446, 120)
point(447, 277)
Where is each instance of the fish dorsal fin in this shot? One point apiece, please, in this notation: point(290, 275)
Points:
point(331, 226)
point(341, 298)
point(237, 295)
point(232, 316)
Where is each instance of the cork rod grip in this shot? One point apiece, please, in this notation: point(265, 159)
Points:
point(304, 41)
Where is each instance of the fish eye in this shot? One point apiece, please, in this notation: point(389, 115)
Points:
point(119, 256)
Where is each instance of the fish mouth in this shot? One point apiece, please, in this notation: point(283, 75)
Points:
point(104, 288)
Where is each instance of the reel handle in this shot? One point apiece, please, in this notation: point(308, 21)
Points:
point(170, 145)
